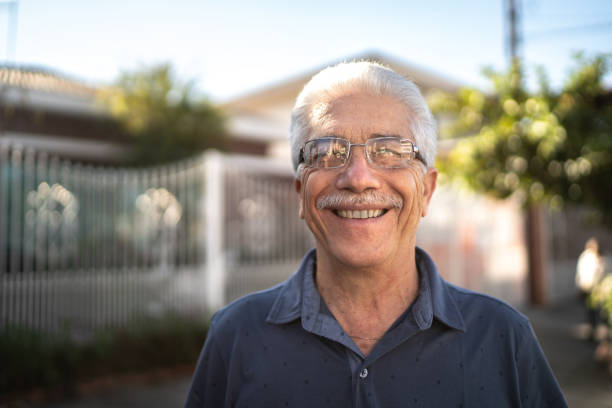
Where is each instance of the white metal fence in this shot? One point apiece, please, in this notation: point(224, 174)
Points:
point(93, 247)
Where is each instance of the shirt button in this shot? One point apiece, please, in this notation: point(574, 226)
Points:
point(363, 373)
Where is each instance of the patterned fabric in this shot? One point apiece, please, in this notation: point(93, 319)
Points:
point(452, 348)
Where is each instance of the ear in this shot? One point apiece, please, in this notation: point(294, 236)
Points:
point(298, 190)
point(430, 180)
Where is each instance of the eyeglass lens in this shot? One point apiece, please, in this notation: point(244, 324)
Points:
point(385, 152)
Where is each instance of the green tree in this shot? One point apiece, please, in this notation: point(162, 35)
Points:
point(162, 116)
point(545, 147)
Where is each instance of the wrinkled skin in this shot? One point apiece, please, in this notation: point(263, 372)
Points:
point(381, 242)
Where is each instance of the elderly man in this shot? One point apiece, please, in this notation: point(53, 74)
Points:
point(367, 321)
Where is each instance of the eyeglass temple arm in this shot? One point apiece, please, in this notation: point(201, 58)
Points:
point(417, 155)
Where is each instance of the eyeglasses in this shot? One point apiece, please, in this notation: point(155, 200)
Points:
point(385, 152)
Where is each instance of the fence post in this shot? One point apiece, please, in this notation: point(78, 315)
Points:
point(213, 217)
point(4, 216)
point(4, 206)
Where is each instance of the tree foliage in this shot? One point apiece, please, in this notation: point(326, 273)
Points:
point(544, 147)
point(162, 116)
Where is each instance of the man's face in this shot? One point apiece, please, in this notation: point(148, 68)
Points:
point(390, 229)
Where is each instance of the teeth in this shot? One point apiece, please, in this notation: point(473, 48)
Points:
point(359, 213)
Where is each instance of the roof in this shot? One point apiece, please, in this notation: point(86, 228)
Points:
point(40, 79)
point(290, 88)
point(263, 115)
point(42, 89)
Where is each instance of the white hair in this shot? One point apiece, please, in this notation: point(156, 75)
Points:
point(368, 77)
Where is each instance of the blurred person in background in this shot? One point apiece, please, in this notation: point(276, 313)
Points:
point(589, 272)
point(367, 320)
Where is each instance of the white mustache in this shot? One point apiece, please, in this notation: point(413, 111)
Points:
point(347, 199)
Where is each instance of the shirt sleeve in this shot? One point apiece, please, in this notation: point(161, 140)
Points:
point(537, 384)
point(209, 382)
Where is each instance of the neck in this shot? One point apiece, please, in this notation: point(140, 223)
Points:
point(366, 301)
point(394, 281)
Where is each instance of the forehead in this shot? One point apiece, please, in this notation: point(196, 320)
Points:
point(359, 117)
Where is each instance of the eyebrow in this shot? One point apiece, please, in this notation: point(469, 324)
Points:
point(373, 135)
point(409, 137)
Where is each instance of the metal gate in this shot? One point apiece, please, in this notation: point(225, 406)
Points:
point(89, 247)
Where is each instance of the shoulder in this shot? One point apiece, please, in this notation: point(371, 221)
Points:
point(490, 316)
point(248, 311)
point(471, 302)
point(501, 340)
point(232, 328)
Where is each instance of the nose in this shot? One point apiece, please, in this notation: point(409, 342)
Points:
point(357, 175)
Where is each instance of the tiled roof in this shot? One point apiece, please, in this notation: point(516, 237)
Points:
point(39, 79)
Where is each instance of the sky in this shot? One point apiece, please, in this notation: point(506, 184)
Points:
point(230, 47)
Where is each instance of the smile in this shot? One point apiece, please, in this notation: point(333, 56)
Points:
point(360, 213)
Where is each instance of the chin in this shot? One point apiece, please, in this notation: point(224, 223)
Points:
point(357, 257)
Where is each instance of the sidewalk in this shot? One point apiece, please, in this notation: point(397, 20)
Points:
point(585, 383)
point(169, 394)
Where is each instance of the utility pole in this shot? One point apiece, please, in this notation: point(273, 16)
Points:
point(11, 34)
point(535, 221)
point(513, 37)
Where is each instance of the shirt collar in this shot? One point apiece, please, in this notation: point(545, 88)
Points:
point(435, 294)
point(298, 294)
point(288, 303)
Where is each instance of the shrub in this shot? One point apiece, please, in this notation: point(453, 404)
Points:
point(30, 359)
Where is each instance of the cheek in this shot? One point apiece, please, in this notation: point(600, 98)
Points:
point(415, 194)
point(419, 194)
point(304, 196)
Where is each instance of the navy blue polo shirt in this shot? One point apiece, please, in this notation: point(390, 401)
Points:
point(452, 348)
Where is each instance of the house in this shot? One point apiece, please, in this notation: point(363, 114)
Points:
point(48, 111)
point(478, 242)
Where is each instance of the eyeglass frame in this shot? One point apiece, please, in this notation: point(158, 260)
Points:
point(415, 150)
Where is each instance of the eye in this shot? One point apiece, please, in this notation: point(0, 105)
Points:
point(338, 151)
point(386, 151)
